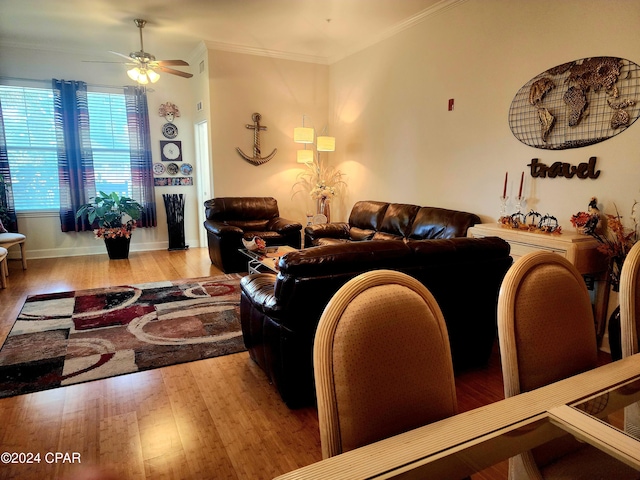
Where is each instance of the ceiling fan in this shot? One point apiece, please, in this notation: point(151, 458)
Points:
point(145, 65)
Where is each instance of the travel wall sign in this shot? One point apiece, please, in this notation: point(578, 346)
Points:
point(563, 169)
point(576, 104)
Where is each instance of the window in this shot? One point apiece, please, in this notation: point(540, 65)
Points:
point(31, 146)
point(110, 142)
point(32, 149)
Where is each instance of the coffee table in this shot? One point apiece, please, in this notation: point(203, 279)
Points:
point(266, 262)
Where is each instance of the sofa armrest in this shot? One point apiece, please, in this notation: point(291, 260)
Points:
point(222, 228)
point(328, 230)
point(282, 225)
point(259, 288)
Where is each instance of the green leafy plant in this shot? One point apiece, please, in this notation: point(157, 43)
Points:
point(115, 215)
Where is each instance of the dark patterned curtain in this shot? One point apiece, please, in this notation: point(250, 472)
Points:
point(141, 161)
point(7, 207)
point(75, 159)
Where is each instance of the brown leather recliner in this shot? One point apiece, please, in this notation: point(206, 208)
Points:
point(229, 219)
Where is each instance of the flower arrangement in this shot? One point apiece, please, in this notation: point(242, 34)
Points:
point(615, 240)
point(115, 215)
point(319, 181)
point(581, 219)
point(124, 231)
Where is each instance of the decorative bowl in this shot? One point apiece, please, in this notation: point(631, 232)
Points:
point(256, 244)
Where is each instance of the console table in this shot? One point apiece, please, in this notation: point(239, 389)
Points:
point(580, 250)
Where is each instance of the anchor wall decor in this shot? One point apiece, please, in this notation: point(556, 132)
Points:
point(256, 159)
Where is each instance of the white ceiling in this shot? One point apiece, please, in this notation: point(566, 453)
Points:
point(315, 30)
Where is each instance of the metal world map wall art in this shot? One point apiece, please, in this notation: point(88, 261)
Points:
point(576, 104)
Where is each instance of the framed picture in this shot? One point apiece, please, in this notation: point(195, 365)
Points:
point(171, 151)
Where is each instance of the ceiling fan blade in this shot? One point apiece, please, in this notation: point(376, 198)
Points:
point(165, 63)
point(128, 57)
point(105, 61)
point(175, 72)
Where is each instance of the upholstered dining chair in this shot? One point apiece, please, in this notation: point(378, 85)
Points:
point(9, 239)
point(630, 325)
point(546, 333)
point(3, 267)
point(382, 361)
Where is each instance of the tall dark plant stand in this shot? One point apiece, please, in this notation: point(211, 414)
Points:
point(174, 205)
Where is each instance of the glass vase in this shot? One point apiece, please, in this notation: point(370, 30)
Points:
point(324, 208)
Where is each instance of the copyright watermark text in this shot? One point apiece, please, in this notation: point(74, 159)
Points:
point(37, 457)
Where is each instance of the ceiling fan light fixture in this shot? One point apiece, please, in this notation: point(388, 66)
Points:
point(143, 79)
point(153, 76)
point(134, 74)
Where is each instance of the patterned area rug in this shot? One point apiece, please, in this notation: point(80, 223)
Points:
point(71, 337)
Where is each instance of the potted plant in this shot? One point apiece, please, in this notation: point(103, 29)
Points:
point(115, 216)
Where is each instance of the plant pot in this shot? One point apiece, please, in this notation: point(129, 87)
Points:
point(118, 247)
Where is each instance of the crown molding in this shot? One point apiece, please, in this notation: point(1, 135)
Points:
point(406, 24)
point(263, 52)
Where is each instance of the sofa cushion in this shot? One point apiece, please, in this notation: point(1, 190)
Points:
point(386, 236)
point(432, 222)
point(358, 234)
point(398, 219)
point(367, 214)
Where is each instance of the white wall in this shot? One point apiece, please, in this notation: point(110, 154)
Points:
point(281, 91)
point(44, 237)
point(399, 143)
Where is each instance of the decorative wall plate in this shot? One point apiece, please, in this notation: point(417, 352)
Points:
point(186, 169)
point(171, 151)
point(577, 103)
point(172, 169)
point(158, 168)
point(169, 130)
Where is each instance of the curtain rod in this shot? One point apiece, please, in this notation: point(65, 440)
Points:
point(48, 82)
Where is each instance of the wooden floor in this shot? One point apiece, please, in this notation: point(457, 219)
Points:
point(216, 418)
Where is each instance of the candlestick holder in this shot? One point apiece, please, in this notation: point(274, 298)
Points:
point(503, 218)
point(519, 201)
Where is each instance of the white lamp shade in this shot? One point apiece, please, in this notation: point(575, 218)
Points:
point(326, 144)
point(305, 156)
point(153, 76)
point(303, 135)
point(134, 73)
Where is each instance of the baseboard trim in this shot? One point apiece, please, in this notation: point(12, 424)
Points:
point(98, 249)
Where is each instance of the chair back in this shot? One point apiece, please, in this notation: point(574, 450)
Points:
point(630, 325)
point(382, 361)
point(546, 333)
point(630, 302)
point(545, 323)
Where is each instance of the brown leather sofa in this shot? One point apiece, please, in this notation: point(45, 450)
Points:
point(372, 220)
point(280, 313)
point(229, 219)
